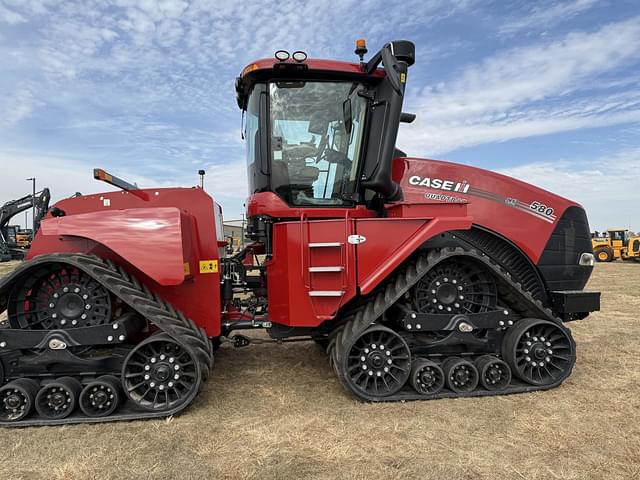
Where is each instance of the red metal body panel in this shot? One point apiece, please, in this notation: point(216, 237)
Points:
point(507, 206)
point(159, 230)
point(300, 247)
point(269, 203)
point(152, 238)
point(290, 280)
point(389, 241)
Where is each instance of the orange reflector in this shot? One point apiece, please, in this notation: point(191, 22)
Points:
point(249, 68)
point(100, 174)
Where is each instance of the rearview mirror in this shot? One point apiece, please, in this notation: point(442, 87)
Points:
point(390, 68)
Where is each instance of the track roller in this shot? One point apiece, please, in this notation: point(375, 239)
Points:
point(426, 377)
point(17, 399)
point(160, 375)
point(494, 373)
point(539, 352)
point(461, 375)
point(378, 362)
point(58, 399)
point(101, 397)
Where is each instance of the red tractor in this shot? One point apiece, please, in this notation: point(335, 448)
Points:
point(422, 279)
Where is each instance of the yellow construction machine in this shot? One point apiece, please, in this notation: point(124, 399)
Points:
point(616, 243)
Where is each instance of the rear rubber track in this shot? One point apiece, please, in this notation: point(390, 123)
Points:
point(139, 298)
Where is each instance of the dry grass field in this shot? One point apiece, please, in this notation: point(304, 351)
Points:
point(276, 411)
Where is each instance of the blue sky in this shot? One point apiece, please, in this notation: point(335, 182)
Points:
point(546, 91)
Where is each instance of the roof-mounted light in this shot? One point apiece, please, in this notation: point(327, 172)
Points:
point(282, 55)
point(361, 48)
point(299, 56)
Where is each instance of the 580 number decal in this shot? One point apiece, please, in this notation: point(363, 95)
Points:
point(541, 208)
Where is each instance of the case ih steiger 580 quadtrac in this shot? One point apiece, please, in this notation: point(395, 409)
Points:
point(423, 279)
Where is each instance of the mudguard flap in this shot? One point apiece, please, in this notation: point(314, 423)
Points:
point(390, 241)
point(151, 239)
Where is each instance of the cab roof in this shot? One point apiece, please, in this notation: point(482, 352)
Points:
point(311, 68)
point(316, 64)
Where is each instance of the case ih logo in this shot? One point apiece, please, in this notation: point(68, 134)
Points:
point(448, 185)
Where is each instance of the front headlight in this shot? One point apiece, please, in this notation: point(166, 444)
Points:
point(587, 259)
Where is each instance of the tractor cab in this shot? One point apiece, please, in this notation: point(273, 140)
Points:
point(322, 133)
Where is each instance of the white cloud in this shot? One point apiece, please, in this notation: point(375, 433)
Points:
point(530, 91)
point(17, 106)
point(10, 16)
point(606, 187)
point(544, 16)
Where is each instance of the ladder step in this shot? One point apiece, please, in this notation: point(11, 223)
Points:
point(325, 269)
point(325, 244)
point(326, 293)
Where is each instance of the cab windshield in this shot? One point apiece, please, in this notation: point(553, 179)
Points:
point(316, 135)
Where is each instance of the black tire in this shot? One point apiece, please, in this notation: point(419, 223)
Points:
point(461, 375)
point(161, 367)
point(376, 363)
point(603, 254)
point(101, 397)
point(58, 399)
point(427, 377)
point(17, 399)
point(540, 352)
point(495, 374)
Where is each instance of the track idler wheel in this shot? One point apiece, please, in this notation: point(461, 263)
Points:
point(426, 377)
point(58, 399)
point(101, 397)
point(161, 375)
point(17, 399)
point(378, 363)
point(494, 373)
point(539, 352)
point(461, 375)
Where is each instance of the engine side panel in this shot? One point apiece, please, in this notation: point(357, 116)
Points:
point(167, 239)
point(523, 213)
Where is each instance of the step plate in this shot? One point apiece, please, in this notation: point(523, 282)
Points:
point(326, 293)
point(325, 269)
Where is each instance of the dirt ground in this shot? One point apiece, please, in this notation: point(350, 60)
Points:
point(276, 411)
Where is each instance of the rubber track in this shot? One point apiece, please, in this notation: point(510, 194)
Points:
point(137, 296)
point(368, 313)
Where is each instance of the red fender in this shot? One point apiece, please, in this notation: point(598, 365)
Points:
point(152, 239)
point(382, 253)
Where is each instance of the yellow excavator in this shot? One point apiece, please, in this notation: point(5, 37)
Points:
point(616, 243)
